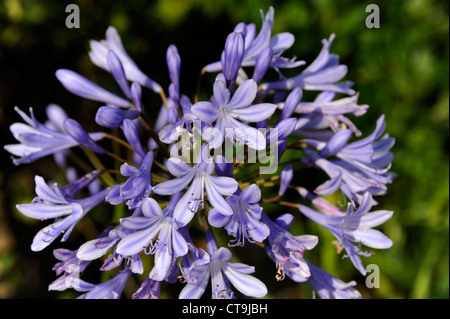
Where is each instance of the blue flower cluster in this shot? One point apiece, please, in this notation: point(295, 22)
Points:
point(184, 169)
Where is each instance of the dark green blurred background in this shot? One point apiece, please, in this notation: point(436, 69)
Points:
point(400, 69)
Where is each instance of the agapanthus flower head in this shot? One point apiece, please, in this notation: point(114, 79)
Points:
point(190, 166)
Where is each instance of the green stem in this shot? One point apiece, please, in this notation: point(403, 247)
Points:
point(106, 177)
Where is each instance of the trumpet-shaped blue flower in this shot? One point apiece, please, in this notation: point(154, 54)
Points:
point(111, 289)
point(113, 42)
point(150, 289)
point(71, 268)
point(50, 204)
point(79, 85)
point(329, 287)
point(216, 266)
point(255, 45)
point(321, 75)
point(37, 140)
point(355, 227)
point(170, 132)
point(200, 178)
point(96, 248)
point(158, 224)
point(287, 250)
point(136, 187)
point(323, 112)
point(229, 113)
point(362, 166)
point(245, 222)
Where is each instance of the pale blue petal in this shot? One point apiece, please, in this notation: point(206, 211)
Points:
point(376, 218)
point(217, 219)
point(138, 222)
point(221, 254)
point(224, 185)
point(246, 284)
point(173, 186)
point(151, 208)
point(254, 113)
point(370, 238)
point(259, 232)
point(179, 244)
point(206, 111)
point(329, 187)
point(242, 268)
point(163, 261)
point(251, 194)
point(182, 212)
point(285, 221)
point(128, 170)
point(46, 193)
point(136, 242)
point(44, 211)
point(81, 86)
point(307, 241)
point(221, 93)
point(336, 143)
point(113, 197)
point(285, 179)
point(91, 251)
point(252, 136)
point(177, 167)
point(244, 95)
point(281, 42)
point(328, 75)
point(116, 69)
point(215, 199)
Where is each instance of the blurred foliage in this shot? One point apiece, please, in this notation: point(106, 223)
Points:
point(400, 69)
